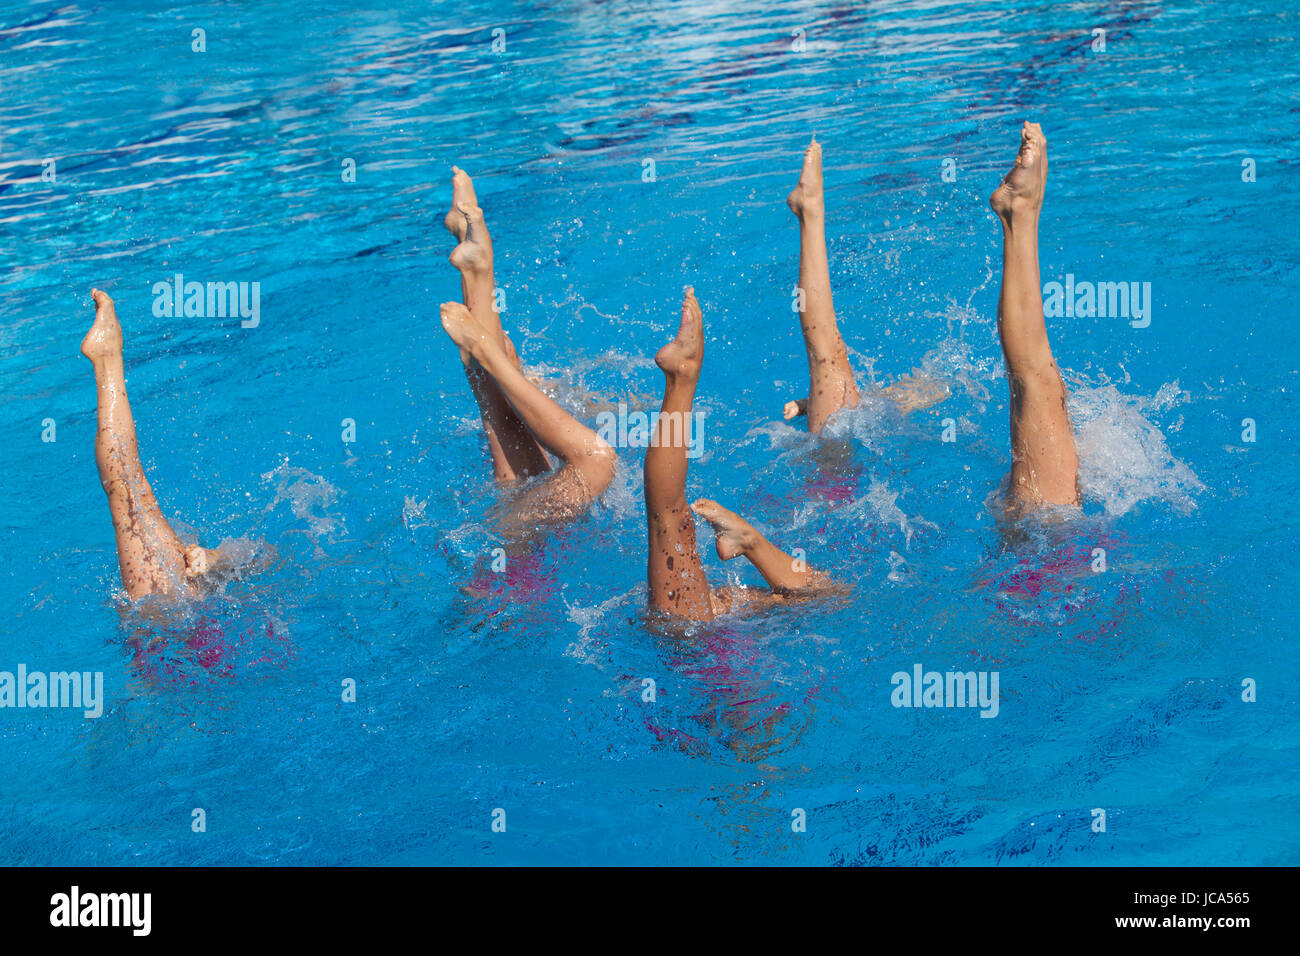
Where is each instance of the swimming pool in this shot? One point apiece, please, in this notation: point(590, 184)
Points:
point(1120, 689)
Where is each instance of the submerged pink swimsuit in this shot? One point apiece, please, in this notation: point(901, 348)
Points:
point(1050, 581)
point(837, 489)
point(525, 577)
point(728, 675)
point(212, 650)
point(1033, 575)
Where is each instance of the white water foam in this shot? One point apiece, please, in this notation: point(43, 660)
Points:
point(1124, 459)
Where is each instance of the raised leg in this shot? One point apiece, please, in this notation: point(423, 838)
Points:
point(589, 461)
point(515, 452)
point(736, 536)
point(674, 572)
point(472, 256)
point(831, 378)
point(1045, 463)
point(151, 557)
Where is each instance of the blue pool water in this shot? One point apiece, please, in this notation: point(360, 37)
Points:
point(1120, 690)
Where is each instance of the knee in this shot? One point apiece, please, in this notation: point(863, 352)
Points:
point(1036, 378)
point(598, 466)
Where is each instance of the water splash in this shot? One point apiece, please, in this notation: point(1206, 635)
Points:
point(1124, 459)
point(309, 497)
point(884, 504)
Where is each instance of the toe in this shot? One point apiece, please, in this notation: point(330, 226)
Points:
point(705, 508)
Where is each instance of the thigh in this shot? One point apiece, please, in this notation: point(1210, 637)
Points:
point(1045, 464)
point(559, 497)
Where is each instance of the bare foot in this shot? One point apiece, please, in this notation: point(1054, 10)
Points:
point(197, 561)
point(474, 254)
point(916, 391)
point(513, 356)
point(795, 409)
point(464, 331)
point(462, 194)
point(201, 562)
point(734, 534)
point(806, 197)
point(1022, 189)
point(683, 355)
point(511, 353)
point(104, 340)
